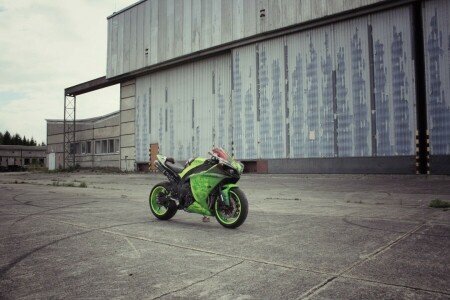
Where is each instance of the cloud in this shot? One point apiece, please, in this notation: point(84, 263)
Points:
point(47, 46)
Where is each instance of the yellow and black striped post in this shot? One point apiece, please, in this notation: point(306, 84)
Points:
point(427, 170)
point(428, 152)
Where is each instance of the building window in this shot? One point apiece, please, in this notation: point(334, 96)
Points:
point(111, 146)
point(88, 147)
point(83, 148)
point(98, 147)
point(117, 145)
point(105, 146)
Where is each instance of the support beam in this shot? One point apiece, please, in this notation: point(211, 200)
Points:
point(69, 130)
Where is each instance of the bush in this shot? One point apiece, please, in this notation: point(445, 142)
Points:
point(437, 203)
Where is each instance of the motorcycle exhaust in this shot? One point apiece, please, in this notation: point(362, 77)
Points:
point(166, 172)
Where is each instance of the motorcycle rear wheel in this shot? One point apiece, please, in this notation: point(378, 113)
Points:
point(234, 215)
point(163, 211)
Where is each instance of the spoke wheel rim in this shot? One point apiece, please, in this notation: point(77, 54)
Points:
point(234, 199)
point(157, 208)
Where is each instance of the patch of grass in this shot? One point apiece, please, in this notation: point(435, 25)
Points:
point(356, 201)
point(438, 203)
point(69, 184)
point(83, 184)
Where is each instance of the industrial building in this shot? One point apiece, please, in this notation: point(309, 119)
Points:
point(287, 86)
point(96, 144)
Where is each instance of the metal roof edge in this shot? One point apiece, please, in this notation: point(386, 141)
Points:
point(125, 9)
point(88, 120)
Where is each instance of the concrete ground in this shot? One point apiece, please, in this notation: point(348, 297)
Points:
point(306, 237)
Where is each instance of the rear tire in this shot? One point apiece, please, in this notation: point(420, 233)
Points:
point(165, 210)
point(234, 215)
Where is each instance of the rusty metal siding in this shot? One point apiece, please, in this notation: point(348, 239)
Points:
point(178, 18)
point(133, 38)
point(394, 93)
point(162, 31)
point(111, 42)
point(311, 65)
point(140, 49)
point(272, 105)
point(226, 25)
point(147, 33)
point(196, 25)
point(126, 41)
point(154, 29)
point(222, 102)
point(171, 28)
point(237, 20)
point(318, 96)
point(142, 119)
point(183, 108)
point(244, 106)
point(203, 107)
point(258, 102)
point(206, 24)
point(437, 51)
point(250, 18)
point(352, 88)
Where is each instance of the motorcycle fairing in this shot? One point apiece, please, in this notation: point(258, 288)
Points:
point(204, 182)
point(196, 166)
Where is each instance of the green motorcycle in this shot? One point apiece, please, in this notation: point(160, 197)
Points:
point(204, 186)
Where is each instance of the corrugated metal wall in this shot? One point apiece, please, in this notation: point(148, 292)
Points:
point(154, 31)
point(245, 134)
point(186, 110)
point(437, 51)
point(344, 90)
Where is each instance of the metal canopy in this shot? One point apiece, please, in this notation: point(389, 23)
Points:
point(91, 85)
point(70, 113)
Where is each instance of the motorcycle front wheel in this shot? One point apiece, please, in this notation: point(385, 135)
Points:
point(161, 208)
point(233, 215)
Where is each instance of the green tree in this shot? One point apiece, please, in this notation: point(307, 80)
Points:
point(7, 138)
point(1, 138)
point(32, 142)
point(16, 140)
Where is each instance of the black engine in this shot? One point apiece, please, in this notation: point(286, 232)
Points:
point(186, 197)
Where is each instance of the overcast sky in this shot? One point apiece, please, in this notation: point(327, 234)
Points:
point(45, 47)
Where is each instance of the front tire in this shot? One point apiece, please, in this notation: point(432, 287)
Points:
point(162, 208)
point(234, 215)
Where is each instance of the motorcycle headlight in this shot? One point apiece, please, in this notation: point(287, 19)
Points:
point(229, 170)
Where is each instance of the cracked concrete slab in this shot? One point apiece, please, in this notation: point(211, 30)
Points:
point(306, 237)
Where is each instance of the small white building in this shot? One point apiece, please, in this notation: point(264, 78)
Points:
point(17, 157)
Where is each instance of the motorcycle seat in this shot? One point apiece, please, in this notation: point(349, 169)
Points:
point(172, 166)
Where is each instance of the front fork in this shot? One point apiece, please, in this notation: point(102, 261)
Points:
point(223, 196)
point(225, 193)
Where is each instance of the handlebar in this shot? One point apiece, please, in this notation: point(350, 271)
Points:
point(214, 157)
